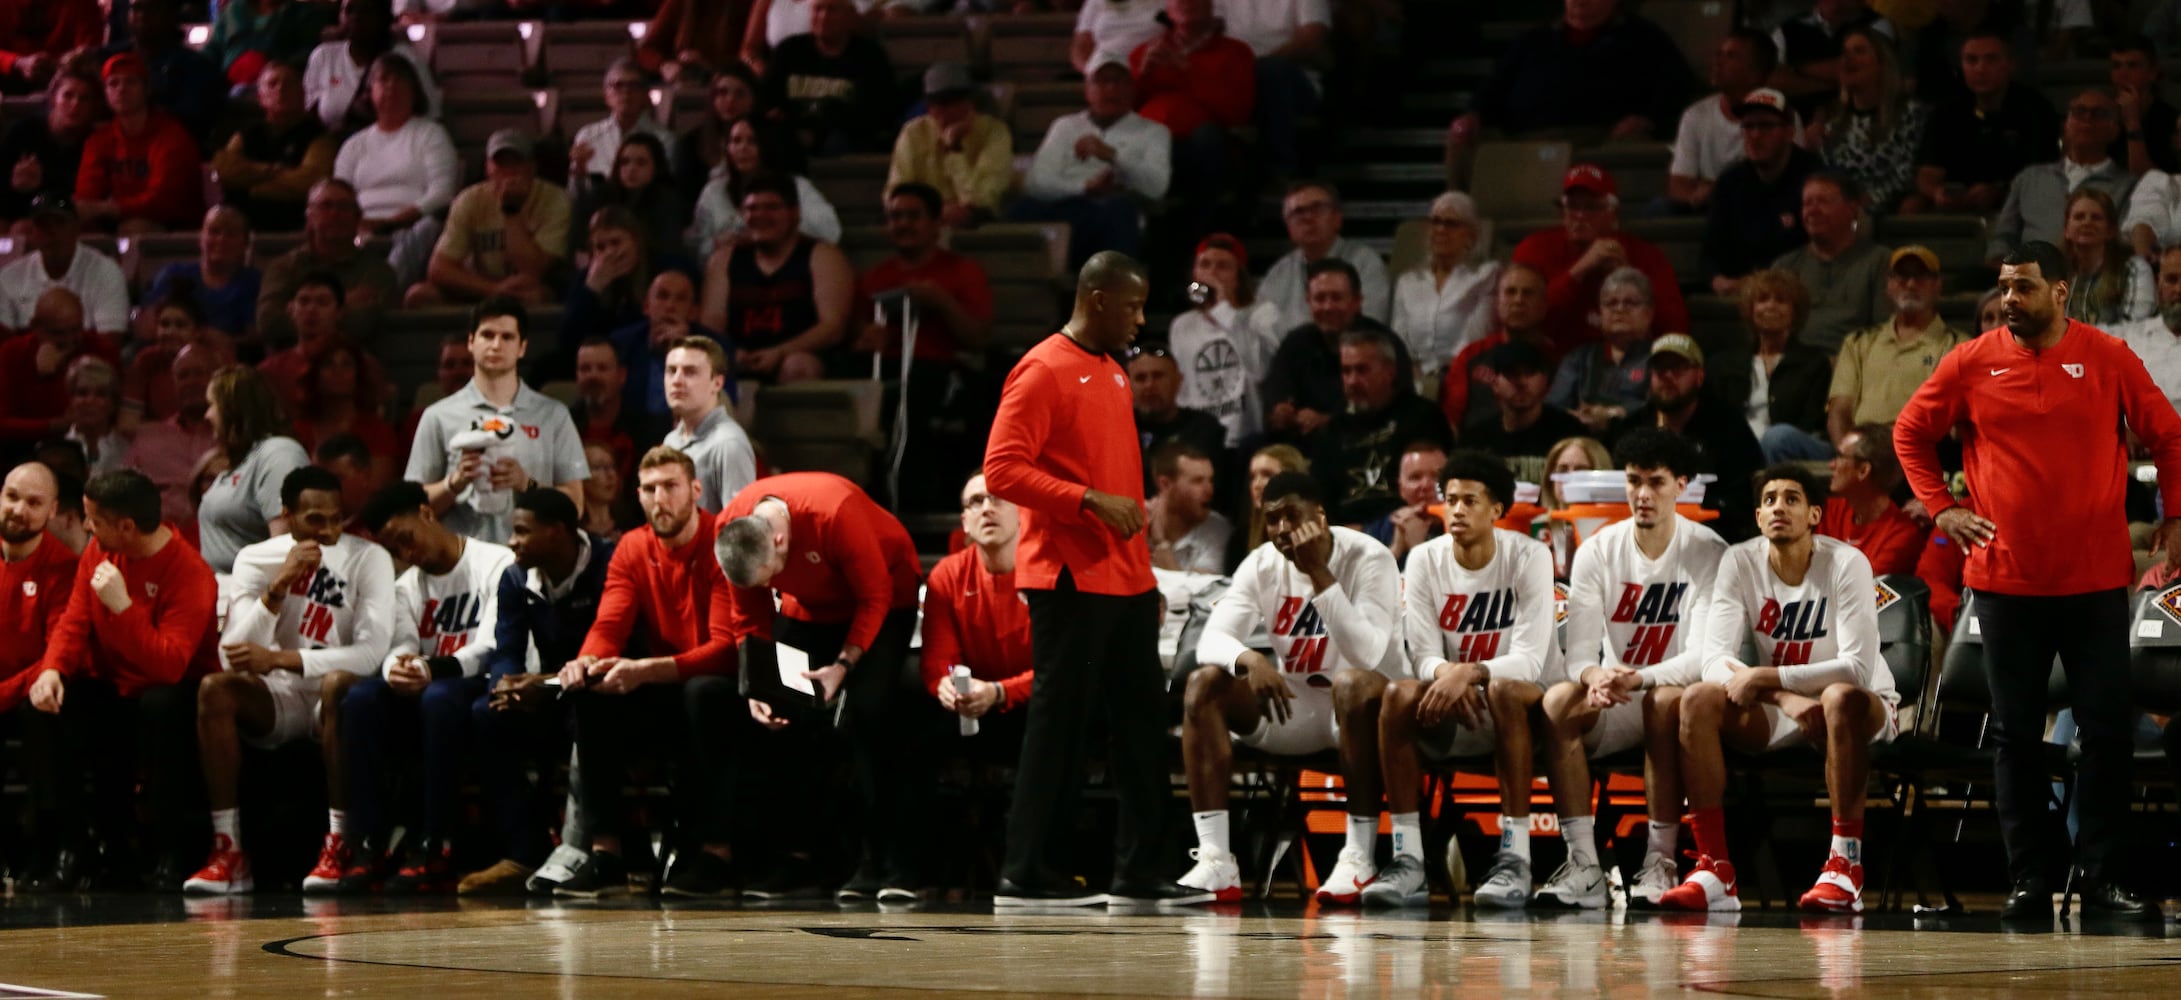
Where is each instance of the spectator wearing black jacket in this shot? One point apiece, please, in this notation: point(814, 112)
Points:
point(1723, 441)
point(1598, 68)
point(1357, 454)
point(42, 153)
point(836, 87)
point(1789, 418)
point(1756, 206)
point(1979, 140)
point(548, 600)
point(1302, 390)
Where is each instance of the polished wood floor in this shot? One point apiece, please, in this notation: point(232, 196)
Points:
point(137, 946)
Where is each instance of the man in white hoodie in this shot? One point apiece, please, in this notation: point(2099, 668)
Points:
point(314, 613)
point(1330, 598)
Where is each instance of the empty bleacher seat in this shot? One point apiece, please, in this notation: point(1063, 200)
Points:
point(1519, 180)
point(1030, 46)
point(1695, 25)
point(914, 43)
point(474, 113)
point(578, 54)
point(476, 56)
point(856, 185)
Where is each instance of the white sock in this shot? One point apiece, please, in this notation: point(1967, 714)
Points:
point(228, 823)
point(1664, 837)
point(1580, 834)
point(1363, 835)
point(337, 822)
point(1514, 835)
point(1212, 830)
point(1408, 836)
point(1848, 847)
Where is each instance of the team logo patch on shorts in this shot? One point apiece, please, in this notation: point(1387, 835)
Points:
point(1886, 595)
point(1559, 603)
point(2170, 600)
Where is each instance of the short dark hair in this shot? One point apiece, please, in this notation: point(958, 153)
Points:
point(307, 477)
point(128, 494)
point(772, 183)
point(394, 501)
point(1850, 189)
point(1300, 485)
point(1333, 265)
point(1301, 186)
point(2133, 42)
point(1106, 270)
point(344, 445)
point(496, 306)
point(1166, 461)
point(1815, 486)
point(932, 200)
point(1480, 467)
point(1988, 28)
point(550, 506)
point(68, 493)
point(1761, 49)
point(2050, 262)
point(1656, 448)
point(1884, 462)
point(322, 279)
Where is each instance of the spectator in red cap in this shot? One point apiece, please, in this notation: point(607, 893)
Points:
point(1198, 83)
point(35, 34)
point(1589, 245)
point(1597, 70)
point(140, 171)
point(183, 81)
point(250, 33)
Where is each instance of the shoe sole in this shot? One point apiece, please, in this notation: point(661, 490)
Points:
point(321, 887)
point(1501, 902)
point(1173, 902)
point(196, 888)
point(1731, 904)
point(898, 896)
point(1557, 902)
point(1090, 899)
point(560, 892)
point(1391, 901)
point(680, 893)
point(1851, 907)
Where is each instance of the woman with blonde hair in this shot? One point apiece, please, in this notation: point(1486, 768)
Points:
point(1778, 382)
point(1871, 130)
point(2111, 284)
point(1575, 454)
point(1269, 461)
point(242, 506)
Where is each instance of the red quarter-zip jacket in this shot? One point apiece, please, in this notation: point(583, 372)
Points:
point(2047, 455)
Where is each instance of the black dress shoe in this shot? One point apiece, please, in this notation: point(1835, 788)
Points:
point(1011, 893)
point(2113, 901)
point(1133, 892)
point(67, 873)
point(2030, 900)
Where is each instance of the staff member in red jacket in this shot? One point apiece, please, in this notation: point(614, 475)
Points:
point(2042, 403)
point(117, 689)
point(37, 571)
point(974, 617)
point(847, 575)
point(1064, 449)
point(681, 698)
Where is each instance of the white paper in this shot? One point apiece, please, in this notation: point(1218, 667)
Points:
point(793, 662)
point(2150, 628)
point(1975, 628)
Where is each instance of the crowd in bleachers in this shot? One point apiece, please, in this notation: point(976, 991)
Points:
point(464, 256)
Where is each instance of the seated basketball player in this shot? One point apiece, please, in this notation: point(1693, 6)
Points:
point(1810, 605)
point(417, 708)
point(314, 612)
point(1330, 598)
point(1636, 603)
point(1479, 609)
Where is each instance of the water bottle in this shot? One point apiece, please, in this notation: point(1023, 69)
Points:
point(961, 690)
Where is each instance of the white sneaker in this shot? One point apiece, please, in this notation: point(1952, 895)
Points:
point(1577, 885)
point(1506, 884)
point(1216, 872)
point(1348, 879)
point(1401, 883)
point(1657, 875)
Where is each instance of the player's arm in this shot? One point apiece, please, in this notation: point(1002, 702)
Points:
point(1585, 649)
point(1420, 629)
point(408, 607)
point(1726, 622)
point(1529, 644)
point(1365, 625)
point(372, 602)
point(253, 619)
point(1687, 667)
point(1226, 630)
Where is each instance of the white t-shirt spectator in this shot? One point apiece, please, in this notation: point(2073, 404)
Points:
point(2156, 202)
point(1285, 284)
point(93, 276)
point(412, 166)
point(2160, 349)
point(1265, 25)
point(1224, 353)
point(1709, 142)
point(1438, 321)
point(1142, 157)
point(332, 80)
point(1119, 26)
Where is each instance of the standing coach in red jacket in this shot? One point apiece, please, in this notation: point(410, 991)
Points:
point(2041, 402)
point(1064, 450)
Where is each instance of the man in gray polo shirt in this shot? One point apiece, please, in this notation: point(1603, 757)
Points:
point(696, 371)
point(496, 437)
point(1844, 271)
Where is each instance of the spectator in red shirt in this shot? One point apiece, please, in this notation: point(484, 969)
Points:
point(847, 576)
point(140, 171)
point(1860, 509)
point(116, 691)
point(1199, 83)
point(38, 571)
point(1587, 246)
point(950, 300)
point(1466, 394)
point(36, 34)
point(341, 388)
point(603, 413)
point(315, 312)
point(973, 618)
point(34, 369)
point(681, 699)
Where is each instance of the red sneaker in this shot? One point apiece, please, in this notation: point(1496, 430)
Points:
point(1839, 888)
point(225, 873)
point(428, 870)
point(1710, 886)
point(333, 862)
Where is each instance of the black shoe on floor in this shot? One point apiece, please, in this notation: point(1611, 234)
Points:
point(2030, 900)
point(602, 875)
point(698, 874)
point(2112, 901)
point(1010, 893)
point(69, 872)
point(1133, 892)
point(166, 876)
point(861, 887)
point(792, 879)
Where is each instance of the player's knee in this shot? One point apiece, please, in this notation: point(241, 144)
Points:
point(1702, 706)
point(1564, 701)
point(1510, 698)
point(1357, 691)
point(335, 686)
point(216, 696)
point(1846, 705)
point(1207, 684)
point(1662, 705)
point(1397, 708)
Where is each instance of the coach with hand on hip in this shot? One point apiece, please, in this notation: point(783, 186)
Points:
point(1064, 450)
point(2041, 403)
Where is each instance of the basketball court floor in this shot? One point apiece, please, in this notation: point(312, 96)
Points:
point(283, 946)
